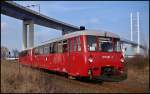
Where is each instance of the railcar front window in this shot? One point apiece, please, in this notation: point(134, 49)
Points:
point(117, 46)
point(91, 43)
point(105, 44)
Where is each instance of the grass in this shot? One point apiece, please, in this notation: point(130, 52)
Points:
point(138, 62)
point(138, 70)
point(21, 79)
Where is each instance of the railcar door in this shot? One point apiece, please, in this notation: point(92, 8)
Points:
point(70, 57)
point(35, 57)
point(65, 56)
point(75, 56)
point(41, 57)
point(46, 52)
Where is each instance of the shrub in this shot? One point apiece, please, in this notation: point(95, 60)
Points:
point(138, 62)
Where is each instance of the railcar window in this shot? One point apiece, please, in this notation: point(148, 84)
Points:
point(60, 47)
point(65, 46)
point(55, 47)
point(117, 45)
point(46, 49)
point(23, 53)
point(70, 45)
point(51, 48)
point(36, 51)
point(75, 44)
point(105, 44)
point(91, 43)
point(41, 50)
point(20, 54)
point(79, 43)
point(26, 53)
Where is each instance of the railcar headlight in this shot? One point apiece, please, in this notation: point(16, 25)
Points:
point(122, 60)
point(90, 60)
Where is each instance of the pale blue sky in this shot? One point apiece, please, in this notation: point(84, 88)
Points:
point(111, 16)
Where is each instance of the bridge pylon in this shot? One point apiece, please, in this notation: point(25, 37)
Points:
point(28, 29)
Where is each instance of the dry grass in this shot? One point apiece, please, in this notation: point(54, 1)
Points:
point(15, 79)
point(138, 62)
point(138, 70)
point(24, 80)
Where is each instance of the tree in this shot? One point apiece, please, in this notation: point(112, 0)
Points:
point(4, 52)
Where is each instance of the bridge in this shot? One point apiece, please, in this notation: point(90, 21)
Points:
point(126, 41)
point(30, 17)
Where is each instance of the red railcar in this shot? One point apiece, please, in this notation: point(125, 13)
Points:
point(79, 54)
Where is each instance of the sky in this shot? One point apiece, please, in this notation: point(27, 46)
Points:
point(113, 16)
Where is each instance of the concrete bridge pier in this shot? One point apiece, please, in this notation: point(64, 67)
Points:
point(28, 29)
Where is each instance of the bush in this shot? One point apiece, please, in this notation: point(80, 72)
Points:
point(138, 62)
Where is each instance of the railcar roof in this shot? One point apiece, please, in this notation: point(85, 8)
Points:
point(83, 32)
point(93, 32)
